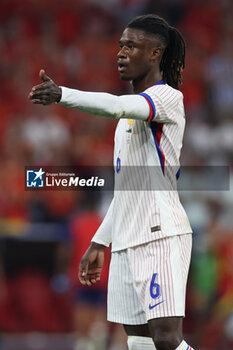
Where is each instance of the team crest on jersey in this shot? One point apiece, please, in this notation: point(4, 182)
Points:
point(129, 129)
point(130, 125)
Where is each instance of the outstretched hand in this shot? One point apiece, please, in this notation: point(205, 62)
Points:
point(91, 264)
point(46, 93)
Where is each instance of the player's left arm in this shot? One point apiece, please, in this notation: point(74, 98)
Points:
point(91, 264)
point(100, 104)
point(164, 106)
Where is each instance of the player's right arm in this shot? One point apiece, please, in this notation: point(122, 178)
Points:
point(147, 106)
point(97, 103)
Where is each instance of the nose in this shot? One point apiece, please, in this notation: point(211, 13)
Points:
point(122, 53)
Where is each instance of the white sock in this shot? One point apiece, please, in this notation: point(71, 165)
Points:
point(140, 343)
point(145, 343)
point(184, 346)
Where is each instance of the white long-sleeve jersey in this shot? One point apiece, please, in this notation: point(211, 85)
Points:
point(146, 205)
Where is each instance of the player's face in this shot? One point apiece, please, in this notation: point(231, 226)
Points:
point(134, 57)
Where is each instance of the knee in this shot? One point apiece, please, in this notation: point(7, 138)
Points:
point(166, 340)
point(166, 333)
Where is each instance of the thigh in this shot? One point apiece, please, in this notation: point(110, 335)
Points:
point(166, 332)
point(157, 327)
point(123, 303)
point(160, 271)
point(166, 325)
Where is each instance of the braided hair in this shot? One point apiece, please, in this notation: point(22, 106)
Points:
point(173, 59)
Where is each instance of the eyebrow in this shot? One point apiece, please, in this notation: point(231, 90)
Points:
point(126, 41)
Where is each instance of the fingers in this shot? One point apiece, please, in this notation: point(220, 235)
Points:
point(41, 102)
point(88, 279)
point(93, 275)
point(97, 277)
point(82, 273)
point(88, 276)
point(90, 266)
point(43, 76)
point(40, 94)
point(42, 97)
point(37, 95)
point(47, 92)
point(41, 87)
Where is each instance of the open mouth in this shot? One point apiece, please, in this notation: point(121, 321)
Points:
point(122, 67)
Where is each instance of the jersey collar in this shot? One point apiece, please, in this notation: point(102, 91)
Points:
point(159, 83)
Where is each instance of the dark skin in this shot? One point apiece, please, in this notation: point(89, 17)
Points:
point(139, 62)
point(139, 56)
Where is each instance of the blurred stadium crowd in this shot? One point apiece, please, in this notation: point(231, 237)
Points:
point(44, 234)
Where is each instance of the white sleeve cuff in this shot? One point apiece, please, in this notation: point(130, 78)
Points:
point(99, 241)
point(65, 94)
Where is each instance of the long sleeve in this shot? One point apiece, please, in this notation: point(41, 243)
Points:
point(104, 233)
point(106, 105)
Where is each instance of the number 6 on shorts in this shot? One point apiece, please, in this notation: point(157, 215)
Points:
point(154, 287)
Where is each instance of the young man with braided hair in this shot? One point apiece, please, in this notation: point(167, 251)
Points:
point(147, 226)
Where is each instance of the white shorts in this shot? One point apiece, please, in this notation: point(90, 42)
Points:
point(149, 281)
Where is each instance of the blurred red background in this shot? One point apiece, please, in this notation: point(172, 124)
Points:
point(44, 234)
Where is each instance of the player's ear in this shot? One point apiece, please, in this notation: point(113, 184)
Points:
point(156, 53)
